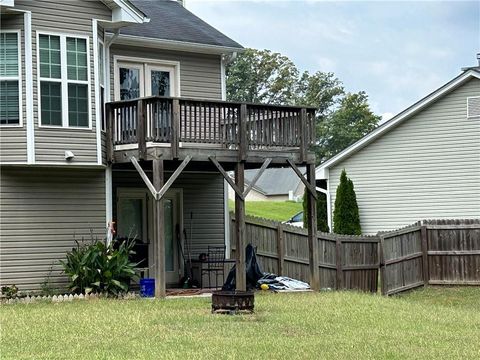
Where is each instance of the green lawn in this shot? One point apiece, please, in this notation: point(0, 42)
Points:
point(274, 210)
point(426, 324)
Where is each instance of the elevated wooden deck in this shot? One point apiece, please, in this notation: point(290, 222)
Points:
point(174, 128)
point(165, 131)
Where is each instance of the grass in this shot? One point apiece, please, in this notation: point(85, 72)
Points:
point(433, 323)
point(274, 210)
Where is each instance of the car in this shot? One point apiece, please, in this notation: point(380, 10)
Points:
point(295, 220)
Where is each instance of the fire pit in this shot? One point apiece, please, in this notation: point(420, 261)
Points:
point(232, 302)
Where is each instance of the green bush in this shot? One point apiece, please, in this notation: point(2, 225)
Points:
point(346, 218)
point(96, 267)
point(322, 211)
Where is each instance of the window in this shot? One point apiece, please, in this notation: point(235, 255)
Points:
point(10, 85)
point(63, 68)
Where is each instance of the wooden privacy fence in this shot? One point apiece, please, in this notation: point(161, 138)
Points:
point(345, 262)
point(436, 252)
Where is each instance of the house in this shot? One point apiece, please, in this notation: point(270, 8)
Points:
point(276, 184)
point(115, 110)
point(422, 164)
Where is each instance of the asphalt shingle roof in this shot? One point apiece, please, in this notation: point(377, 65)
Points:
point(169, 20)
point(275, 181)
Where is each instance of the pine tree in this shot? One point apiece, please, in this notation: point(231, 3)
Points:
point(346, 218)
point(322, 217)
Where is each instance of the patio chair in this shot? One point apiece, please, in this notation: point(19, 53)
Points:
point(215, 264)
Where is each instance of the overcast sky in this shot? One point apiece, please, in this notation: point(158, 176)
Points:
point(397, 52)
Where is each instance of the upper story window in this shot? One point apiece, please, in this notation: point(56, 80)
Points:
point(10, 84)
point(64, 89)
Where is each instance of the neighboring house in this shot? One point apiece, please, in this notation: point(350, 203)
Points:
point(422, 164)
point(277, 184)
point(98, 100)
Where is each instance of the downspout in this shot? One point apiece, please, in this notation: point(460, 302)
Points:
point(112, 39)
point(108, 170)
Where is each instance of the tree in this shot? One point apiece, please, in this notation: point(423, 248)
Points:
point(322, 211)
point(346, 218)
point(262, 76)
point(347, 124)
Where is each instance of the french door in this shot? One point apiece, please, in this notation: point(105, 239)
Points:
point(135, 80)
point(135, 221)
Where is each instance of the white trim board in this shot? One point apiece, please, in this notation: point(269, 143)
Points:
point(404, 115)
point(27, 19)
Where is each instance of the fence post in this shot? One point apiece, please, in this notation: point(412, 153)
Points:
point(424, 235)
point(383, 280)
point(338, 250)
point(280, 248)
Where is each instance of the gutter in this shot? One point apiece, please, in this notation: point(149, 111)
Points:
point(134, 40)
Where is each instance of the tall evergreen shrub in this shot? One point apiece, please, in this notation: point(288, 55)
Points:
point(346, 218)
point(322, 217)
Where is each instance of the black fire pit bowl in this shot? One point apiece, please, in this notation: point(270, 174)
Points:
point(233, 302)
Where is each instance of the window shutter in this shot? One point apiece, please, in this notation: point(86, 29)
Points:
point(473, 106)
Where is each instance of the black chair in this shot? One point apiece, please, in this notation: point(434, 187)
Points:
point(215, 264)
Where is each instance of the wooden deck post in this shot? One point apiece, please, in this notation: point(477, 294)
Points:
point(312, 230)
point(159, 231)
point(240, 275)
point(141, 133)
point(175, 128)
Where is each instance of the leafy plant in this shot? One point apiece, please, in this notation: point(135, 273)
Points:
point(346, 217)
point(96, 267)
point(9, 292)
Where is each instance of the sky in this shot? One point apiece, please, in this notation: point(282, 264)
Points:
point(396, 51)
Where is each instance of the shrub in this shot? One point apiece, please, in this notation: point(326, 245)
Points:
point(322, 211)
point(100, 268)
point(346, 218)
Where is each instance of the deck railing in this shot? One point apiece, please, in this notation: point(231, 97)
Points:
point(230, 125)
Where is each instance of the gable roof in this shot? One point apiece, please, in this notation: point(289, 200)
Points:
point(274, 181)
point(171, 22)
point(469, 73)
point(132, 12)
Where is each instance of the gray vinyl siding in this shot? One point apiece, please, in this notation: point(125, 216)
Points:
point(200, 75)
point(42, 211)
point(13, 140)
point(73, 18)
point(203, 195)
point(427, 167)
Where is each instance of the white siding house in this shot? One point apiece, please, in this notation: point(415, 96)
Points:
point(422, 164)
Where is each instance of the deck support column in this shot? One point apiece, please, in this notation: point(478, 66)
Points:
point(312, 230)
point(240, 275)
point(159, 231)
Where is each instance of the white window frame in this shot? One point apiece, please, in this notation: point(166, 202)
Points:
point(468, 114)
point(102, 84)
point(64, 80)
point(144, 64)
point(18, 78)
